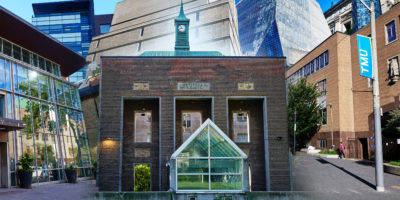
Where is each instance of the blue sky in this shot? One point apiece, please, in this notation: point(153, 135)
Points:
point(326, 4)
point(23, 8)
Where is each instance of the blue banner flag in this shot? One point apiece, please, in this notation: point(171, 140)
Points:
point(365, 55)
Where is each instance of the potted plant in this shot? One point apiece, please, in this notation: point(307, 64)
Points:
point(71, 174)
point(25, 171)
point(94, 168)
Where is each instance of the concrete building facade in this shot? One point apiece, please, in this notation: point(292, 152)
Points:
point(350, 94)
point(140, 26)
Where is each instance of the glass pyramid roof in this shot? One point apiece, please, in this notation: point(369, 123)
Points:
point(208, 141)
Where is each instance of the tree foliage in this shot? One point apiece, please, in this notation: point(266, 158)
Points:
point(302, 97)
point(392, 128)
point(25, 162)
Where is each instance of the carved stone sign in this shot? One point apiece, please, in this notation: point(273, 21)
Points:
point(246, 86)
point(141, 86)
point(142, 153)
point(194, 86)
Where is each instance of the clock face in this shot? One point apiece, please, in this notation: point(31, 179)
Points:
point(181, 28)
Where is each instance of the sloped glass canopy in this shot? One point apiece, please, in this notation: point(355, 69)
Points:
point(208, 161)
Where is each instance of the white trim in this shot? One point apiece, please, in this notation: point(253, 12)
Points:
point(207, 123)
point(187, 142)
point(221, 133)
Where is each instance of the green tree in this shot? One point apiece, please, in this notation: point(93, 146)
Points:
point(392, 128)
point(142, 177)
point(302, 97)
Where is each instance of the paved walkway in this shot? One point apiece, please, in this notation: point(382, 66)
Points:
point(57, 191)
point(319, 178)
point(341, 179)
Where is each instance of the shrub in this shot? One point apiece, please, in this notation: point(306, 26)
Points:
point(71, 167)
point(25, 162)
point(397, 163)
point(142, 178)
point(330, 152)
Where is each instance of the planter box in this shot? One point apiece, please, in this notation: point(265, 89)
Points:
point(328, 156)
point(71, 176)
point(392, 169)
point(25, 179)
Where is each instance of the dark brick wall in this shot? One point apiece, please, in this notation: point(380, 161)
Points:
point(129, 156)
point(256, 148)
point(223, 74)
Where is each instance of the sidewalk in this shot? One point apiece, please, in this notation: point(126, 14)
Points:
point(341, 179)
point(60, 191)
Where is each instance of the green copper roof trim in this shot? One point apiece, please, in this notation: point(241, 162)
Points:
point(182, 15)
point(182, 53)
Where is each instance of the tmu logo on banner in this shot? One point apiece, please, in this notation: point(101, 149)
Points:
point(365, 55)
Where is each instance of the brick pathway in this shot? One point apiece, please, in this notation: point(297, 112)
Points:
point(341, 179)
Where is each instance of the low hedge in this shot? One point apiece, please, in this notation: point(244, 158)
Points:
point(329, 152)
point(397, 163)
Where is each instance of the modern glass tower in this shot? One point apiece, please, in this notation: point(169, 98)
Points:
point(289, 28)
point(70, 22)
point(40, 112)
point(361, 15)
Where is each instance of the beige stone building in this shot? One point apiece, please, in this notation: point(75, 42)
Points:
point(140, 26)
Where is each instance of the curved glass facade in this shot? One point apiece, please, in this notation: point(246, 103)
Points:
point(55, 134)
point(289, 28)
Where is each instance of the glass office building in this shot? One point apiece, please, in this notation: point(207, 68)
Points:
point(361, 15)
point(40, 112)
point(71, 23)
point(275, 28)
point(50, 107)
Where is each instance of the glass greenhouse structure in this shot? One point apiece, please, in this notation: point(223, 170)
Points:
point(209, 161)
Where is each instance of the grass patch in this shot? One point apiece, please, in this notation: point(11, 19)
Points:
point(397, 163)
point(333, 152)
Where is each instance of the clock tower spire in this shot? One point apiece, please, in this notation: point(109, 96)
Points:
point(182, 31)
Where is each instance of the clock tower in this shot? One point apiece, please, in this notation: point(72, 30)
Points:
point(182, 31)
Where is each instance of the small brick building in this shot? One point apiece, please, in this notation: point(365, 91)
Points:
point(150, 105)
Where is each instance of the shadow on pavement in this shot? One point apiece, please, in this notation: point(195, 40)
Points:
point(365, 163)
point(323, 161)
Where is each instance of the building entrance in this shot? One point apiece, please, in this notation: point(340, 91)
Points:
point(364, 147)
point(3, 165)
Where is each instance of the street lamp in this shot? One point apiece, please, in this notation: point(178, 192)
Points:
point(377, 111)
point(330, 106)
